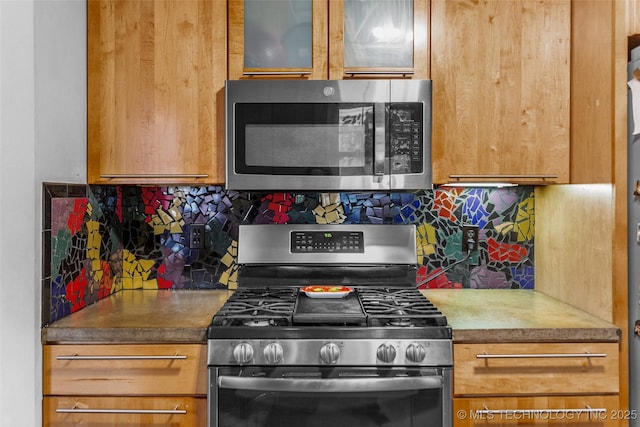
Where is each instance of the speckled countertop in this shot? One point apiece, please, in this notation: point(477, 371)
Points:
point(146, 316)
point(140, 316)
point(511, 315)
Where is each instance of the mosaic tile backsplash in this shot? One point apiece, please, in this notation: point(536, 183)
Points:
point(98, 240)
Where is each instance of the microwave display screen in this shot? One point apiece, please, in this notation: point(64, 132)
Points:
point(316, 139)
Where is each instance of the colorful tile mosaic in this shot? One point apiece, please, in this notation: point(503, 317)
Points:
point(102, 239)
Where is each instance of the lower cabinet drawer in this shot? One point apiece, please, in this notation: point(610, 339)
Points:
point(125, 369)
point(592, 411)
point(503, 369)
point(120, 411)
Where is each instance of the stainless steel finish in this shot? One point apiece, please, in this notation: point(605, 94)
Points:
point(348, 352)
point(342, 385)
point(124, 357)
point(155, 175)
point(379, 163)
point(439, 375)
point(327, 91)
point(329, 354)
point(540, 356)
point(416, 352)
point(386, 352)
point(76, 410)
point(389, 244)
point(273, 353)
point(243, 353)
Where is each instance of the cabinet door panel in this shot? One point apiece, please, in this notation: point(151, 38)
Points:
point(592, 411)
point(534, 368)
point(357, 31)
point(156, 71)
point(278, 39)
point(125, 369)
point(501, 74)
point(112, 411)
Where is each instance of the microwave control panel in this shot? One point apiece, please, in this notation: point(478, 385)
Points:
point(327, 242)
point(405, 138)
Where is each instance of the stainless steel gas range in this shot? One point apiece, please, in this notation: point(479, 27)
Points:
point(327, 328)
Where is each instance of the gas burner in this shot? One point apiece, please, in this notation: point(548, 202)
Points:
point(400, 322)
point(261, 323)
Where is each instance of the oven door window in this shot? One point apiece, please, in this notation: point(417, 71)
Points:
point(304, 139)
point(323, 397)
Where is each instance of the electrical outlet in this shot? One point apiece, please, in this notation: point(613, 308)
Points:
point(196, 236)
point(469, 238)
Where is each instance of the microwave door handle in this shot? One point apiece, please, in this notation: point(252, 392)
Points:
point(331, 385)
point(380, 115)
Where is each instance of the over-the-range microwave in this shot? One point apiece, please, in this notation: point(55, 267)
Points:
point(328, 135)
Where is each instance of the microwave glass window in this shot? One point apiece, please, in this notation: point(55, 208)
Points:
point(315, 139)
point(312, 146)
point(378, 33)
point(277, 34)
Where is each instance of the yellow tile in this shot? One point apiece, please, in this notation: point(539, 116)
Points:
point(150, 284)
point(146, 265)
point(332, 217)
point(164, 217)
point(224, 277)
point(175, 228)
point(158, 229)
point(175, 213)
point(227, 259)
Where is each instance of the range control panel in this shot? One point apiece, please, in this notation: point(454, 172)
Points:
point(327, 242)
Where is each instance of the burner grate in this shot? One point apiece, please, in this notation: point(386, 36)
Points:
point(399, 307)
point(258, 307)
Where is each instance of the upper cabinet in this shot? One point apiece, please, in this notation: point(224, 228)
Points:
point(633, 17)
point(320, 39)
point(501, 87)
point(156, 72)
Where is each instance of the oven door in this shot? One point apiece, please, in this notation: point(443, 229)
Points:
point(336, 397)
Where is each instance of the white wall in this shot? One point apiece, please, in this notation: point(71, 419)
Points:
point(42, 138)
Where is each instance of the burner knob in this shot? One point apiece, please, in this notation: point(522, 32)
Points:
point(386, 353)
point(329, 353)
point(273, 353)
point(416, 352)
point(243, 353)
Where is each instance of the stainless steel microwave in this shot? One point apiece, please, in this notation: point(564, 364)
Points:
point(328, 135)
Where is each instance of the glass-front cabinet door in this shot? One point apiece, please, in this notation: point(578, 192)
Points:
point(328, 39)
point(385, 38)
point(278, 39)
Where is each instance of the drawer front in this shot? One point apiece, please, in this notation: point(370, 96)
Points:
point(530, 368)
point(592, 411)
point(125, 369)
point(121, 411)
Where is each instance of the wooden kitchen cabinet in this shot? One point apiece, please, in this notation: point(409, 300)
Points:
point(633, 17)
point(578, 411)
point(178, 411)
point(155, 79)
point(501, 87)
point(150, 384)
point(536, 383)
point(322, 39)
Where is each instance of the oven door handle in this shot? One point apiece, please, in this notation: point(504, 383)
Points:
point(331, 385)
